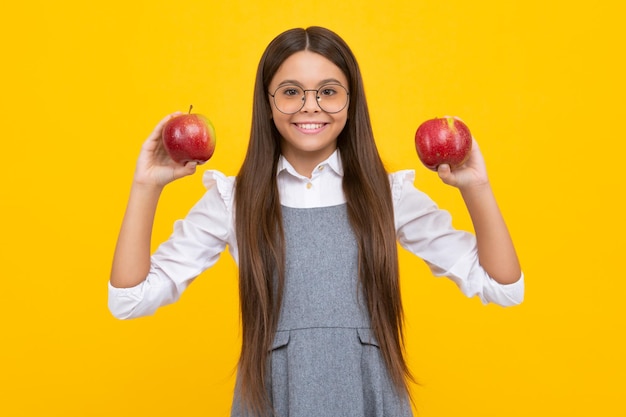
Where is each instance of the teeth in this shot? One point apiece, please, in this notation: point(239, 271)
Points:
point(310, 126)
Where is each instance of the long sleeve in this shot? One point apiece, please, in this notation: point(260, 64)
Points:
point(426, 231)
point(194, 245)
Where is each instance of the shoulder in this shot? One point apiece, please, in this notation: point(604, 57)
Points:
point(402, 176)
point(223, 185)
point(399, 180)
point(408, 200)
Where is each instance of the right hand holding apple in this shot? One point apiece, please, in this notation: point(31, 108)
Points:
point(154, 166)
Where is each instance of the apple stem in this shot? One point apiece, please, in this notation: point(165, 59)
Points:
point(190, 107)
point(450, 121)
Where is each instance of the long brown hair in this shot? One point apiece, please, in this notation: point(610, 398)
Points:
point(259, 220)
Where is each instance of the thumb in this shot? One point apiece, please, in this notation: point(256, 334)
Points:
point(190, 167)
point(445, 173)
point(184, 170)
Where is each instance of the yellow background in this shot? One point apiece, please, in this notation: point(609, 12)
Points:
point(539, 83)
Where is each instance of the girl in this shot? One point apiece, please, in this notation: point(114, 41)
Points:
point(313, 220)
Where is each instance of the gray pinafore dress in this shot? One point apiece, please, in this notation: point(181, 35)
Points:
point(325, 361)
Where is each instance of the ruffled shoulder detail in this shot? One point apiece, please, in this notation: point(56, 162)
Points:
point(398, 179)
point(225, 185)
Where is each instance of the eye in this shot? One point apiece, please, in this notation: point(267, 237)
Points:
point(291, 92)
point(327, 91)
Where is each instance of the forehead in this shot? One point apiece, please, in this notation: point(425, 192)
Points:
point(308, 69)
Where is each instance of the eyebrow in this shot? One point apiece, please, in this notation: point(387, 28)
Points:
point(323, 82)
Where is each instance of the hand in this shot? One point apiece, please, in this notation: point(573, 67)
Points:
point(471, 174)
point(154, 165)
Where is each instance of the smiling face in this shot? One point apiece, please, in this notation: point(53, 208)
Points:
point(308, 136)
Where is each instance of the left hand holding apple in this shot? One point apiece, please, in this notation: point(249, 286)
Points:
point(445, 145)
point(496, 252)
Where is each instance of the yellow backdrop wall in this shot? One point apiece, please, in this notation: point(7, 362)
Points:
point(539, 83)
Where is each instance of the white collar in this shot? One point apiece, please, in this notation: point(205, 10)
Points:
point(333, 161)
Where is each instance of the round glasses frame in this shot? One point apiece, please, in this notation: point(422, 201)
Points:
point(319, 99)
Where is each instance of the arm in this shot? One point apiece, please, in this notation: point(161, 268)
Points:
point(154, 170)
point(496, 252)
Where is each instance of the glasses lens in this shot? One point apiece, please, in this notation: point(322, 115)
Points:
point(331, 98)
point(289, 99)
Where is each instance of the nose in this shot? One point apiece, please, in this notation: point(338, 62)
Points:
point(310, 105)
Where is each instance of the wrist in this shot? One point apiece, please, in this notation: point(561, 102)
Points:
point(146, 188)
point(476, 190)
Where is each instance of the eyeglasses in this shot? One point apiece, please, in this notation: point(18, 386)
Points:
point(331, 98)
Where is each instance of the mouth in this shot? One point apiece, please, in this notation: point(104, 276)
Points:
point(310, 127)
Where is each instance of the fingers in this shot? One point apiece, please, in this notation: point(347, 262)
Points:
point(154, 165)
point(156, 132)
point(153, 143)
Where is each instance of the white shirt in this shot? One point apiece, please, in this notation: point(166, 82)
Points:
point(199, 239)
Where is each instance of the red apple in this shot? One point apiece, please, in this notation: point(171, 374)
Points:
point(444, 140)
point(189, 137)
